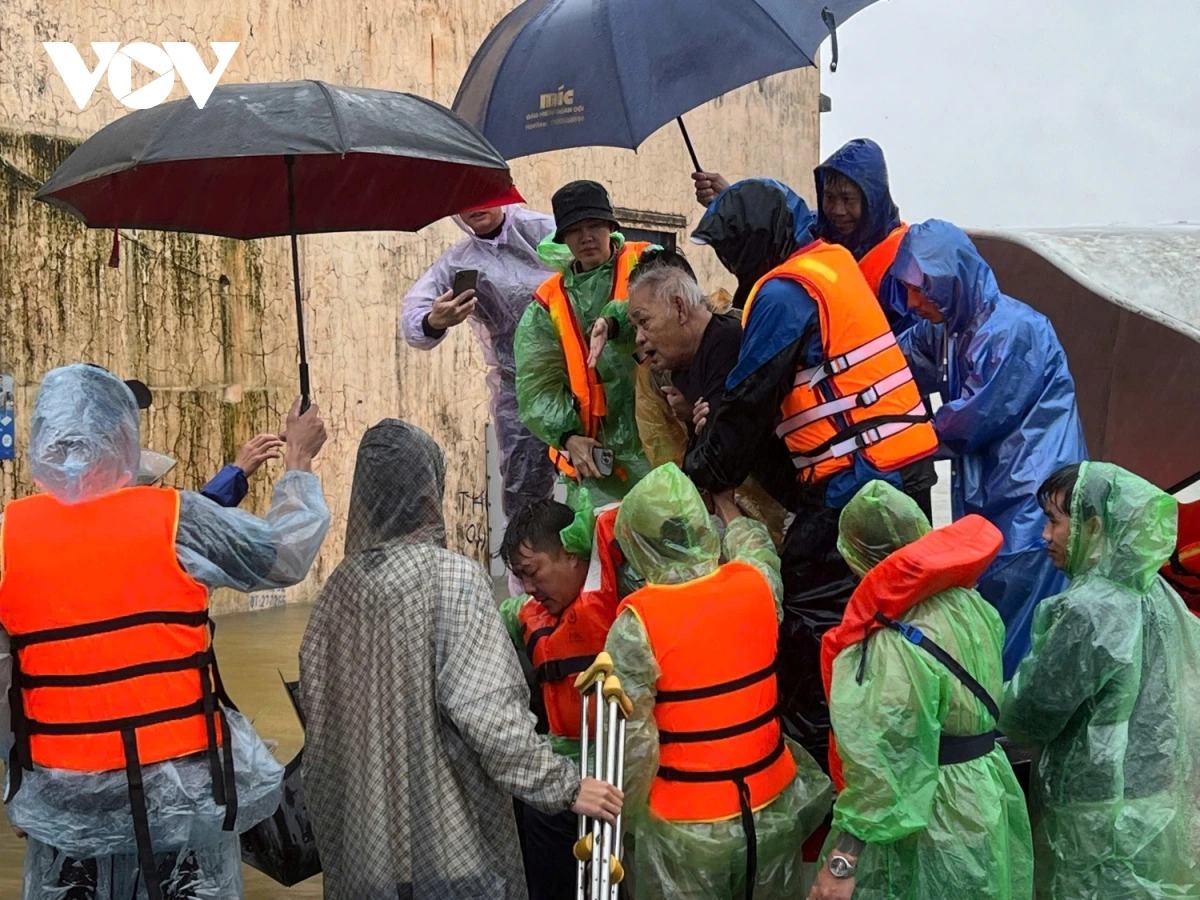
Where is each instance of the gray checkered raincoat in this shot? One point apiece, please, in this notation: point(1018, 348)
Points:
point(419, 732)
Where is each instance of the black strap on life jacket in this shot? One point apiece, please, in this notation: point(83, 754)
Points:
point(212, 705)
point(737, 776)
point(859, 429)
point(952, 749)
point(560, 669)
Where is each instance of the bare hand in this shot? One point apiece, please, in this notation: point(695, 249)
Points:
point(18, 832)
point(599, 339)
point(708, 186)
point(580, 449)
point(449, 310)
point(598, 799)
point(826, 887)
point(305, 436)
point(257, 451)
point(677, 402)
point(700, 415)
point(726, 507)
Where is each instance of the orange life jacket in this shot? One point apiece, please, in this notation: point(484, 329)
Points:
point(879, 259)
point(861, 398)
point(953, 556)
point(585, 386)
point(561, 647)
point(1182, 571)
point(112, 659)
point(721, 749)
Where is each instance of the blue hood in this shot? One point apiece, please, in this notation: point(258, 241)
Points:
point(939, 259)
point(861, 161)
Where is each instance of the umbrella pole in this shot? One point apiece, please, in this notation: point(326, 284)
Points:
point(289, 160)
point(688, 140)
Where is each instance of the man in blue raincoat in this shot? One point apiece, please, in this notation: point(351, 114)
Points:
point(1008, 418)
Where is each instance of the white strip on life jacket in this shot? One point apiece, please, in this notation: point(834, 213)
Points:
point(814, 376)
point(595, 570)
point(860, 441)
point(865, 398)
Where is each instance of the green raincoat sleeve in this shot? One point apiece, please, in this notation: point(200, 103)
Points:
point(701, 860)
point(543, 387)
point(1108, 693)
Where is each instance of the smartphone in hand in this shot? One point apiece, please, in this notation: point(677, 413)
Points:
point(603, 460)
point(465, 280)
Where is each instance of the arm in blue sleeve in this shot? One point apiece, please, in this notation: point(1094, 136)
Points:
point(922, 347)
point(783, 330)
point(228, 487)
point(1005, 377)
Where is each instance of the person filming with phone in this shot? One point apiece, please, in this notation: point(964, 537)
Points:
point(488, 278)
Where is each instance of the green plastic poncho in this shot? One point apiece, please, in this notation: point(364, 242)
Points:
point(1111, 693)
point(666, 534)
point(543, 388)
point(959, 831)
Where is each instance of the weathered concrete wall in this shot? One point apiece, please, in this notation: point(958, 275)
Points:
point(208, 323)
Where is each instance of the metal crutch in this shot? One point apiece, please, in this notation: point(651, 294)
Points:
point(588, 846)
point(619, 709)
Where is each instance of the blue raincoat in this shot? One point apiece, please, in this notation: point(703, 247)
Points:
point(1008, 419)
point(861, 161)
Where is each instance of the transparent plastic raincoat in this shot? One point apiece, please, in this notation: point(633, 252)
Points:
point(84, 443)
point(510, 270)
point(1008, 418)
point(667, 536)
point(543, 389)
point(957, 831)
point(1109, 693)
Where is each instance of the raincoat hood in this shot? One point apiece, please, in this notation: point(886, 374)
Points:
point(664, 529)
point(754, 226)
point(502, 237)
point(939, 260)
point(1123, 529)
point(559, 258)
point(399, 482)
point(862, 162)
point(84, 437)
point(877, 522)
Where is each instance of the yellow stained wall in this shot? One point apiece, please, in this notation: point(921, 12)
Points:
point(209, 324)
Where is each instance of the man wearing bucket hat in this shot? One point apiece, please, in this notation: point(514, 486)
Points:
point(578, 406)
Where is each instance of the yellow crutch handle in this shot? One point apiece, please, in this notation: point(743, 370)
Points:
point(583, 848)
point(597, 671)
point(614, 691)
point(617, 870)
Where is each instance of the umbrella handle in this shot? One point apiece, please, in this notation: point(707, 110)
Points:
point(688, 140)
point(831, 24)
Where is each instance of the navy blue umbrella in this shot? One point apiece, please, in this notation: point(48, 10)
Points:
point(580, 73)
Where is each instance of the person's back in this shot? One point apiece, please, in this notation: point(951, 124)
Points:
point(418, 730)
point(925, 787)
point(1107, 693)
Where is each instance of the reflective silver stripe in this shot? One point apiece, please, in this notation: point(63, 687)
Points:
point(859, 442)
point(839, 364)
point(866, 398)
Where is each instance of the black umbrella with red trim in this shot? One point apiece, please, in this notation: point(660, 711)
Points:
point(268, 160)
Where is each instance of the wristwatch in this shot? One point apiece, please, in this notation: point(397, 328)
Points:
point(841, 867)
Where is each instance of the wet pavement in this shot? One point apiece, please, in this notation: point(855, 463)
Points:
point(253, 648)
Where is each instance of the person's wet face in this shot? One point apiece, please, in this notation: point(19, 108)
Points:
point(662, 332)
point(554, 579)
point(484, 221)
point(590, 242)
point(842, 203)
point(924, 307)
point(1057, 533)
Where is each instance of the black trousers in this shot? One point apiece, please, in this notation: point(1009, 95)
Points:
point(549, 858)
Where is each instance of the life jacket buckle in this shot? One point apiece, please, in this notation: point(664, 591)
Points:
point(869, 397)
point(911, 633)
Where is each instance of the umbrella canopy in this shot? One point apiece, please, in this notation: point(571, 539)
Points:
point(1126, 305)
point(265, 160)
point(578, 73)
point(365, 160)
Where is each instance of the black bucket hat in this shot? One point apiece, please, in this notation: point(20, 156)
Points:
point(578, 201)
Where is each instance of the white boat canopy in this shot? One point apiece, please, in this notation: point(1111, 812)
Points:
point(1126, 305)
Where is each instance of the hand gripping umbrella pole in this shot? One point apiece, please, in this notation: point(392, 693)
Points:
point(599, 840)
